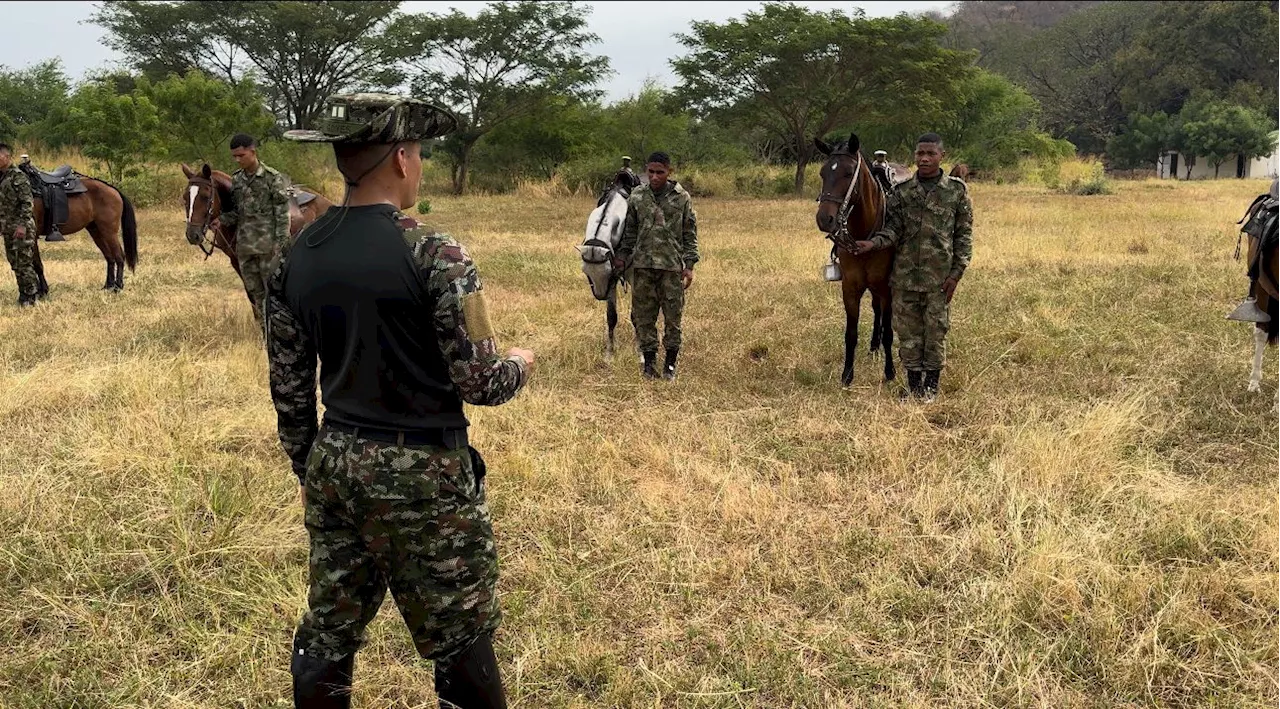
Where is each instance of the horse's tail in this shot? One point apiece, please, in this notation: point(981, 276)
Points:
point(129, 230)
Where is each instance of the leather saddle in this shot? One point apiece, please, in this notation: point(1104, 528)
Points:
point(300, 196)
point(53, 188)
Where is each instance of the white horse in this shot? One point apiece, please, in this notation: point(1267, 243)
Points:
point(603, 236)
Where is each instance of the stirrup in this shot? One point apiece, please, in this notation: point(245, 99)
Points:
point(1248, 311)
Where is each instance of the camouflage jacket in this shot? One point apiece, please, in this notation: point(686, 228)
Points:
point(661, 231)
point(932, 232)
point(15, 201)
point(261, 214)
point(463, 333)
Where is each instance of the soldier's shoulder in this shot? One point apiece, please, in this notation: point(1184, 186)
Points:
point(681, 192)
point(432, 250)
point(269, 170)
point(956, 184)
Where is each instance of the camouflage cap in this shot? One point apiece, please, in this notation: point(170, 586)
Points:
point(376, 118)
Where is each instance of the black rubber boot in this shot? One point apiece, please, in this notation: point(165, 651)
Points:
point(669, 366)
point(471, 680)
point(915, 385)
point(649, 368)
point(931, 384)
point(26, 301)
point(319, 683)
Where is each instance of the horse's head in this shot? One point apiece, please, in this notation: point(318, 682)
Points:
point(201, 202)
point(845, 177)
point(604, 233)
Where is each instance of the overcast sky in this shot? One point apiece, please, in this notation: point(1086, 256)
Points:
point(636, 36)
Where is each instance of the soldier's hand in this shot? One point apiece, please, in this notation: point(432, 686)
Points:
point(526, 355)
point(949, 288)
point(302, 495)
point(862, 247)
point(216, 224)
point(20, 233)
point(618, 263)
point(686, 278)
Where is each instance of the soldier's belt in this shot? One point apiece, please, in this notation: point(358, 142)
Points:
point(451, 438)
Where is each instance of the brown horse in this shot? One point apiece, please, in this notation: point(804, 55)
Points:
point(105, 213)
point(851, 208)
point(1266, 289)
point(209, 190)
point(961, 171)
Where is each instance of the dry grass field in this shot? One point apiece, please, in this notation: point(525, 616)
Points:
point(1086, 518)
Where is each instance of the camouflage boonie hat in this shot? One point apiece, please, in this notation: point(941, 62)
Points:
point(376, 118)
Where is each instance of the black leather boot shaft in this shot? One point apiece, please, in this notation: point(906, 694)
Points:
point(320, 683)
point(669, 366)
point(470, 680)
point(649, 369)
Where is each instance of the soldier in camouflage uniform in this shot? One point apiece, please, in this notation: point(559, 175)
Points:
point(930, 224)
point(660, 246)
point(394, 495)
point(260, 216)
point(17, 222)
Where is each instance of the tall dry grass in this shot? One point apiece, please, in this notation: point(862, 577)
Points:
point(1086, 518)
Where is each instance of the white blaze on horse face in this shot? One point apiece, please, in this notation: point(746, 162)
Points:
point(191, 201)
point(1259, 349)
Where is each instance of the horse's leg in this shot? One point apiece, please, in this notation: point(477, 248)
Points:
point(99, 240)
point(886, 335)
point(611, 317)
point(1259, 348)
point(875, 328)
point(42, 285)
point(852, 305)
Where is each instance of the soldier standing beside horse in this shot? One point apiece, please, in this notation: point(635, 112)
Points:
point(930, 226)
point(660, 247)
point(260, 216)
point(17, 221)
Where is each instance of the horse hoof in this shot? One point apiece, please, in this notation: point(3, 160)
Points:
point(1255, 387)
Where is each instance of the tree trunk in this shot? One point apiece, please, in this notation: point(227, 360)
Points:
point(802, 164)
point(463, 170)
point(1216, 165)
point(1191, 163)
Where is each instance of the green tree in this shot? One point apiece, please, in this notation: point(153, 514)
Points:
point(1217, 131)
point(303, 52)
point(120, 132)
point(1143, 140)
point(32, 99)
point(801, 73)
point(507, 62)
point(199, 114)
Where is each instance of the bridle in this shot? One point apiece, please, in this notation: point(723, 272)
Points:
point(208, 217)
point(841, 235)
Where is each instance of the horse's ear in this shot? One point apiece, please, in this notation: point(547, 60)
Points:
point(854, 143)
point(206, 171)
point(188, 171)
point(821, 146)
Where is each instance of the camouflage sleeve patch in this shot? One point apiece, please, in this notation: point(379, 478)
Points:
point(291, 359)
point(475, 310)
point(464, 332)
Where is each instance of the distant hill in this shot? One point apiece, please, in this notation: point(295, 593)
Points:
point(1027, 13)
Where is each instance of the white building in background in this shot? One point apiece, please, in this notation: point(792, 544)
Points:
point(1174, 165)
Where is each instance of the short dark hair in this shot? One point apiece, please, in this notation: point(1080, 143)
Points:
point(6, 148)
point(930, 138)
point(243, 140)
point(356, 160)
point(659, 157)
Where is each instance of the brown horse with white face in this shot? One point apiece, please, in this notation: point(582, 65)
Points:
point(208, 193)
point(851, 208)
point(104, 212)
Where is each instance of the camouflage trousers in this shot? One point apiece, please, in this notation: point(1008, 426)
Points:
point(654, 291)
point(21, 255)
point(920, 322)
point(412, 518)
point(255, 270)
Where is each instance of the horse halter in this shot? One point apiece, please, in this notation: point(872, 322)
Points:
point(208, 217)
point(841, 234)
